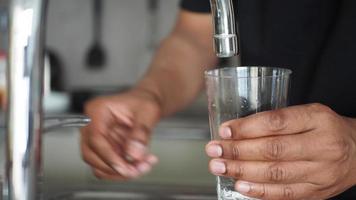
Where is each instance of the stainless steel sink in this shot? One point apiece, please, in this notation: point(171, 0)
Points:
point(182, 173)
point(137, 191)
point(111, 195)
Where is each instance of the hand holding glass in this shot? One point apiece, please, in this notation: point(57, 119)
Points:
point(236, 92)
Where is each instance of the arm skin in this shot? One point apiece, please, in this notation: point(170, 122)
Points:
point(115, 143)
point(176, 74)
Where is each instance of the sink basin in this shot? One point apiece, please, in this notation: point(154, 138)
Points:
point(182, 173)
point(136, 191)
point(111, 195)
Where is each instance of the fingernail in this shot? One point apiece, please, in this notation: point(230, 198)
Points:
point(119, 170)
point(225, 132)
point(144, 168)
point(128, 121)
point(214, 150)
point(128, 172)
point(217, 167)
point(243, 187)
point(129, 158)
point(133, 172)
point(137, 150)
point(138, 145)
point(152, 159)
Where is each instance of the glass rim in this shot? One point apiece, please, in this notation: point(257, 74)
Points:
point(210, 73)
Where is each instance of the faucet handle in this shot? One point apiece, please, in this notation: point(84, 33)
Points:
point(55, 122)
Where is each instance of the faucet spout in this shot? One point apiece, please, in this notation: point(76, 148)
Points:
point(225, 36)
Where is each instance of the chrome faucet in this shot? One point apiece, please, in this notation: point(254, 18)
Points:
point(25, 89)
point(25, 93)
point(225, 33)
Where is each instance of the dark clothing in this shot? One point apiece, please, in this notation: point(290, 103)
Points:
point(314, 38)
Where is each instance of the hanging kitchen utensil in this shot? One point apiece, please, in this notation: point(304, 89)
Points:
point(153, 24)
point(96, 57)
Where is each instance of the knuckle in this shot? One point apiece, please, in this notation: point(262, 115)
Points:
point(143, 134)
point(235, 151)
point(87, 106)
point(261, 193)
point(322, 111)
point(334, 176)
point(91, 107)
point(144, 128)
point(92, 142)
point(91, 104)
point(276, 173)
point(85, 155)
point(342, 149)
point(274, 149)
point(85, 158)
point(98, 175)
point(238, 171)
point(318, 107)
point(328, 119)
point(288, 193)
point(275, 120)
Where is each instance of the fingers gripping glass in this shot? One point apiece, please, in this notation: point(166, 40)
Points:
point(236, 92)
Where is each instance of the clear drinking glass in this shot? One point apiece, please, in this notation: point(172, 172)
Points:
point(236, 92)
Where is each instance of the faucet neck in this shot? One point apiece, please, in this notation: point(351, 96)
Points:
point(225, 35)
point(24, 110)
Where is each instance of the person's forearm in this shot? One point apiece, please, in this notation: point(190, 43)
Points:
point(176, 74)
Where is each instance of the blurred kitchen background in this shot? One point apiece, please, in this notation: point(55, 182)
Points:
point(131, 29)
point(128, 36)
point(77, 69)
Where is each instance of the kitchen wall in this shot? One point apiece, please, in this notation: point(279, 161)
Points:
point(126, 38)
point(3, 27)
